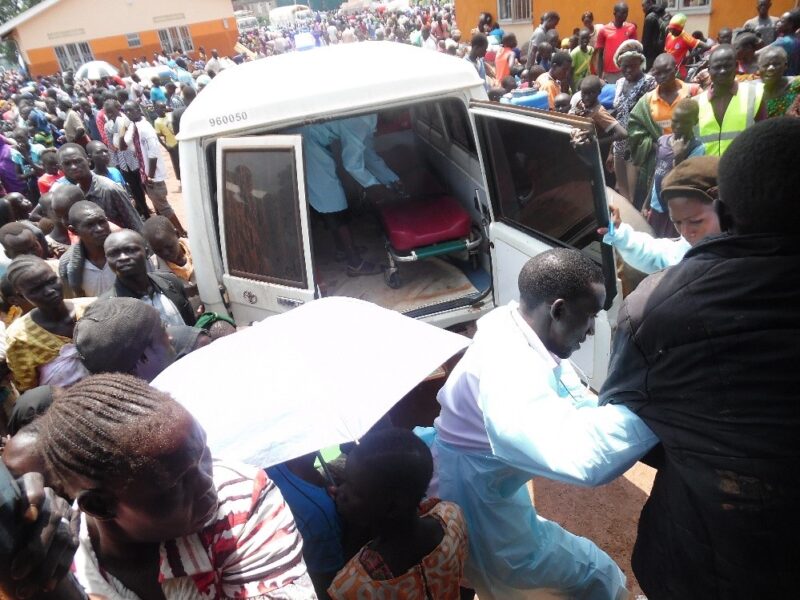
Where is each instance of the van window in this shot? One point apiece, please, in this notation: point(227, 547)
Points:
point(540, 183)
point(457, 124)
point(261, 216)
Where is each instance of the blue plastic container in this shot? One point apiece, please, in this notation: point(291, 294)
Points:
point(607, 95)
point(535, 100)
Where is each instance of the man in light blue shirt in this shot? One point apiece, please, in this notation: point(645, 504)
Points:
point(325, 192)
point(514, 408)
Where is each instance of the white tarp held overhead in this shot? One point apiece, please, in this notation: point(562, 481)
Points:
point(319, 375)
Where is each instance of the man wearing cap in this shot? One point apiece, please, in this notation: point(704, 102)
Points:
point(727, 107)
point(123, 335)
point(679, 43)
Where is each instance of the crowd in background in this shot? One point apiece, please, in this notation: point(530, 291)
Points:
point(98, 278)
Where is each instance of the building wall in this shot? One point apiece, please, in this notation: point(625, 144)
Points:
point(570, 12)
point(724, 13)
point(83, 20)
point(104, 25)
point(733, 13)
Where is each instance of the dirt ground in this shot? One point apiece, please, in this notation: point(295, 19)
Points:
point(607, 515)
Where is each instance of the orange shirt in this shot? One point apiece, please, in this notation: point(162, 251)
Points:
point(553, 88)
point(679, 46)
point(502, 64)
point(661, 112)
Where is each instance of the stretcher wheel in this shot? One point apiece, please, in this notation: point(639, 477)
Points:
point(392, 278)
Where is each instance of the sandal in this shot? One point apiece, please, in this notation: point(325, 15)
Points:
point(341, 255)
point(364, 268)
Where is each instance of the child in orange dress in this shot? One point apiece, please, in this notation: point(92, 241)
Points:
point(417, 552)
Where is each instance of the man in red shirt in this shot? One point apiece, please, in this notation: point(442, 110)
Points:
point(608, 40)
point(679, 43)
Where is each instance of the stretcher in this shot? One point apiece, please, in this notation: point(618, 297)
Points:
point(425, 228)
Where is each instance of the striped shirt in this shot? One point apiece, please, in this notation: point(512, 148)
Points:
point(250, 549)
point(124, 160)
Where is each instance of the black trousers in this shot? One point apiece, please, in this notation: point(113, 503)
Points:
point(175, 158)
point(137, 191)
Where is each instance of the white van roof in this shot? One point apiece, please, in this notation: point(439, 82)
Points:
point(325, 81)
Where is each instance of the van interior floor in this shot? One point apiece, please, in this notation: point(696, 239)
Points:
point(425, 283)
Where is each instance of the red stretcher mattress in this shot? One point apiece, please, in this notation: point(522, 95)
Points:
point(425, 222)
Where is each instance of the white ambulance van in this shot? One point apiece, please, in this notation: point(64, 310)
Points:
point(487, 187)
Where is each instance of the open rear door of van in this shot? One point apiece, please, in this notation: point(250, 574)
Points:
point(544, 193)
point(263, 222)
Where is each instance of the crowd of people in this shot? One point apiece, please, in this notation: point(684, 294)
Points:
point(119, 496)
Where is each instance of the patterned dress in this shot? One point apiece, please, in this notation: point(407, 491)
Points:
point(625, 98)
point(436, 577)
point(29, 346)
point(779, 106)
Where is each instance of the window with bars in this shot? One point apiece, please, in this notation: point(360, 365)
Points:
point(514, 10)
point(134, 41)
point(689, 5)
point(72, 56)
point(176, 38)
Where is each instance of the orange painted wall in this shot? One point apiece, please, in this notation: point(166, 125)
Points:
point(210, 34)
point(570, 13)
point(42, 61)
point(733, 13)
point(467, 12)
point(725, 13)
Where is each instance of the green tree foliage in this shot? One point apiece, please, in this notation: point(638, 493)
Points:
point(11, 8)
point(8, 10)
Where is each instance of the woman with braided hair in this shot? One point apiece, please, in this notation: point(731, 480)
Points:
point(38, 338)
point(161, 519)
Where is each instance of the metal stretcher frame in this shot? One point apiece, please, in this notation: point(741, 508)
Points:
point(392, 274)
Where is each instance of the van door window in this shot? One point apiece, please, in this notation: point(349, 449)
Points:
point(457, 125)
point(261, 216)
point(540, 182)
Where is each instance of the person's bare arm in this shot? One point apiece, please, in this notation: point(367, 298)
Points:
point(123, 129)
point(616, 133)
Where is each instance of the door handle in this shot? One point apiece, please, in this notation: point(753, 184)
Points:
point(290, 302)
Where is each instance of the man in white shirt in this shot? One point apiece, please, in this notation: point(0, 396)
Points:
point(142, 138)
point(514, 408)
point(428, 41)
point(763, 24)
point(214, 66)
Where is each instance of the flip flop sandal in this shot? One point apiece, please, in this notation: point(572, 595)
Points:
point(365, 268)
point(341, 255)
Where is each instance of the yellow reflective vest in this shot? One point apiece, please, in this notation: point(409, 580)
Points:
point(739, 115)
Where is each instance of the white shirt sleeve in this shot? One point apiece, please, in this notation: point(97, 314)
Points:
point(149, 139)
